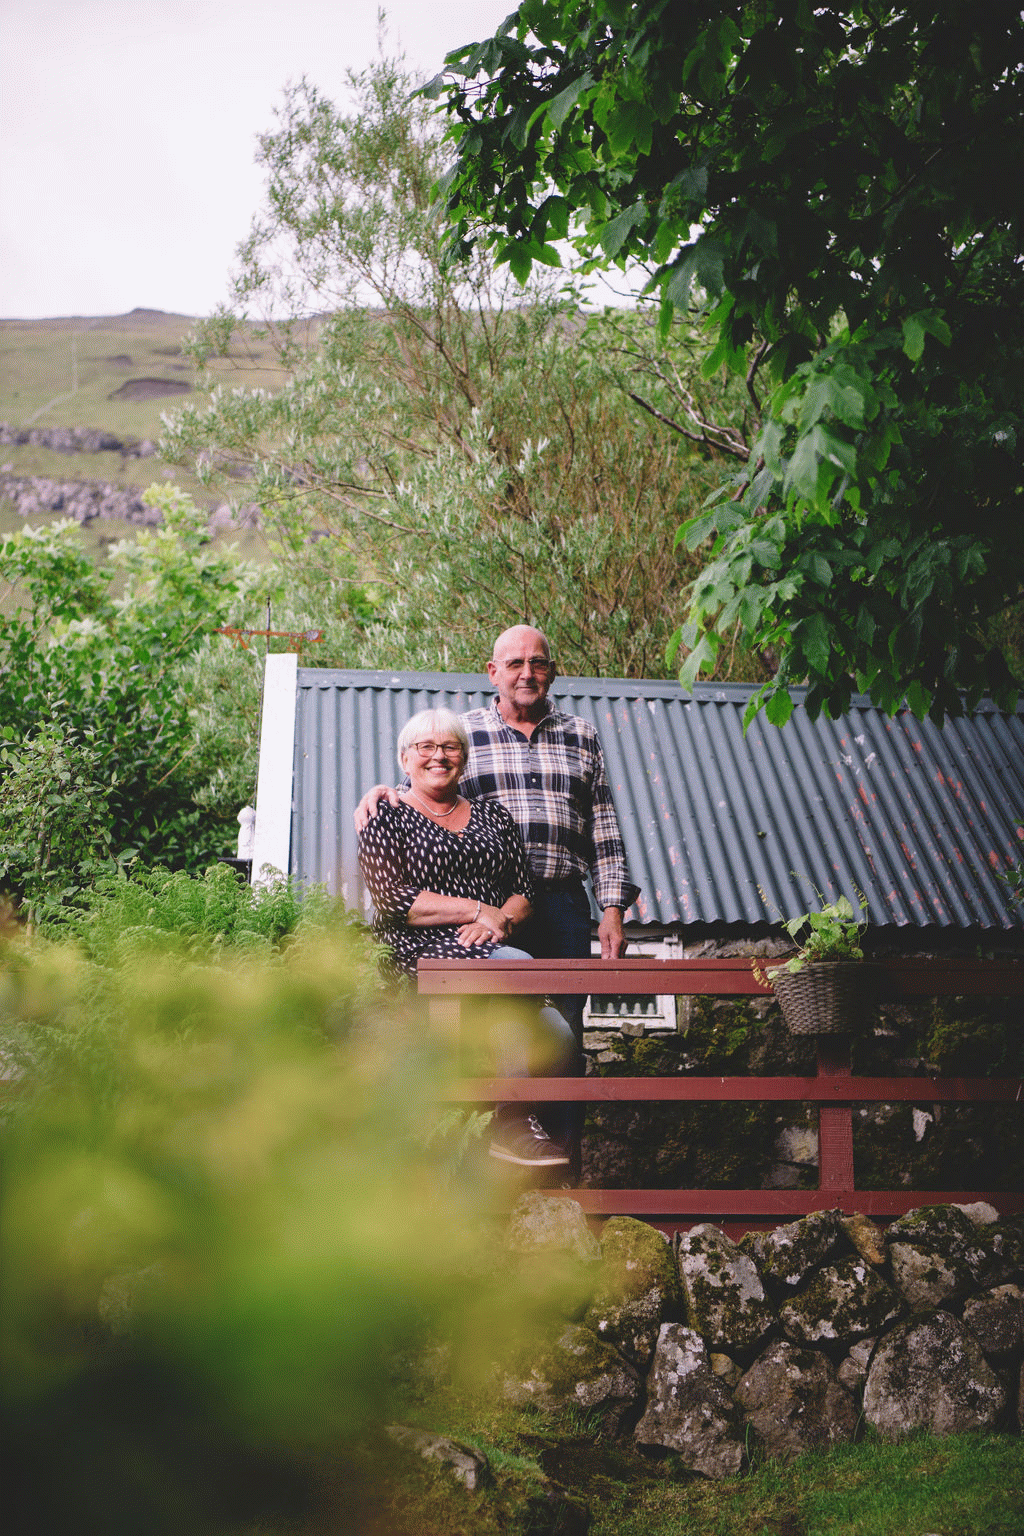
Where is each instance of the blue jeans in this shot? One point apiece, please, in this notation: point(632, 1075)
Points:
point(530, 1042)
point(560, 930)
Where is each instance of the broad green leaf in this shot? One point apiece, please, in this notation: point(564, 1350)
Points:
point(779, 707)
point(866, 625)
point(814, 640)
point(511, 49)
point(913, 337)
point(563, 103)
point(925, 322)
point(802, 470)
point(519, 259)
point(692, 183)
point(695, 531)
point(703, 655)
point(519, 125)
point(753, 602)
point(613, 234)
point(838, 393)
point(679, 279)
point(766, 552)
point(759, 490)
point(919, 698)
point(629, 125)
point(557, 210)
point(818, 568)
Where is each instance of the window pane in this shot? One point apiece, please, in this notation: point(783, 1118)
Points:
point(610, 1006)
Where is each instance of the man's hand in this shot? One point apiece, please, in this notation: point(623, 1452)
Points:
point(367, 806)
point(609, 931)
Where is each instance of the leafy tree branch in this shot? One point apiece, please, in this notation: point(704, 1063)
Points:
point(828, 186)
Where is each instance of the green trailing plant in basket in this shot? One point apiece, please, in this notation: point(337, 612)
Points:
point(830, 942)
point(834, 933)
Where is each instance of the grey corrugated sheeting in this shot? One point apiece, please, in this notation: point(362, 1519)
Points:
point(720, 829)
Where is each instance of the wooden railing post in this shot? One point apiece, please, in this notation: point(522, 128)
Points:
point(835, 1121)
point(444, 1015)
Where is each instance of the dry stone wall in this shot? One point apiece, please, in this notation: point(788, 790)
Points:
point(787, 1339)
point(75, 440)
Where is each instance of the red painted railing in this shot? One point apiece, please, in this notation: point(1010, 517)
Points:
point(835, 1090)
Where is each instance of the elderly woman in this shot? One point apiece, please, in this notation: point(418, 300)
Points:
point(449, 878)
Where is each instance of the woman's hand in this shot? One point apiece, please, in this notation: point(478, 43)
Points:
point(490, 925)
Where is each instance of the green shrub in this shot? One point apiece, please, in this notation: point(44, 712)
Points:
point(102, 757)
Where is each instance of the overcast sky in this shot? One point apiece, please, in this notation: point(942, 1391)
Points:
point(128, 131)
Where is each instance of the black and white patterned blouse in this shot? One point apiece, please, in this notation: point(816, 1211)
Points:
point(402, 853)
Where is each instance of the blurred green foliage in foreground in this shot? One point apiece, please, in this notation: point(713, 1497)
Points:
point(218, 1223)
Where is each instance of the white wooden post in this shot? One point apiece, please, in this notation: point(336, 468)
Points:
point(273, 830)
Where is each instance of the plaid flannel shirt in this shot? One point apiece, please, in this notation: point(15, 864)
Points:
point(555, 786)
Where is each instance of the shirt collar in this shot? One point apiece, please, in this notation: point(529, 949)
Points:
point(496, 712)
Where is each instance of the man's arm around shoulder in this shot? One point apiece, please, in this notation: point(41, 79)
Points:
point(367, 806)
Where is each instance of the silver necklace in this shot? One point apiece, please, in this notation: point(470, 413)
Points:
point(414, 796)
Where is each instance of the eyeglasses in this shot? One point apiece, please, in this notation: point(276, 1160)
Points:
point(427, 749)
point(529, 664)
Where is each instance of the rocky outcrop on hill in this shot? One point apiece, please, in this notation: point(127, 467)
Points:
point(85, 500)
point(75, 440)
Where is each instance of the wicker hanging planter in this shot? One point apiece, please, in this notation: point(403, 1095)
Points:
point(826, 997)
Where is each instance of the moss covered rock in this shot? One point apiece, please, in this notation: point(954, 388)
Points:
point(1003, 1242)
point(787, 1254)
point(842, 1302)
point(794, 1402)
point(930, 1374)
point(725, 1299)
point(996, 1318)
point(576, 1368)
point(935, 1255)
point(866, 1237)
point(637, 1291)
point(548, 1224)
point(689, 1409)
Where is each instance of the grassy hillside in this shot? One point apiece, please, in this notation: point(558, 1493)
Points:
point(116, 372)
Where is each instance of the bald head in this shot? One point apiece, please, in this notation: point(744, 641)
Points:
point(522, 671)
point(521, 640)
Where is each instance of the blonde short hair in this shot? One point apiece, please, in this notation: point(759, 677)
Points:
point(432, 723)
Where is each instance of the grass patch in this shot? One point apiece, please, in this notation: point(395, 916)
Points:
point(971, 1485)
point(965, 1486)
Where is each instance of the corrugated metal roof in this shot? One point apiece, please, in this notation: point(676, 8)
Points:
point(720, 828)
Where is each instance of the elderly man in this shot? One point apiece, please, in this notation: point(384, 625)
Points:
point(547, 769)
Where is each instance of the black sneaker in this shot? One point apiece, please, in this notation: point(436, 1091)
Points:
point(525, 1142)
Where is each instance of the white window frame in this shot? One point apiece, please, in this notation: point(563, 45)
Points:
point(663, 1021)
